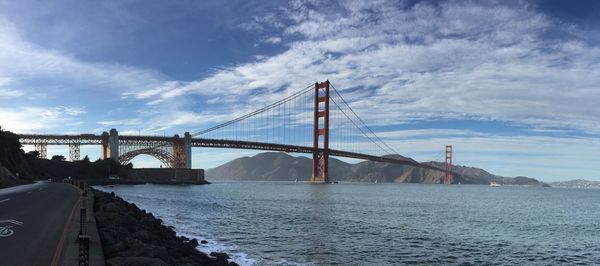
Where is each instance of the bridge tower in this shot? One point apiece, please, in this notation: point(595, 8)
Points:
point(182, 151)
point(320, 163)
point(187, 148)
point(448, 166)
point(110, 145)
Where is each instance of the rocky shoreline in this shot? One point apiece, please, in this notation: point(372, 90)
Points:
point(131, 236)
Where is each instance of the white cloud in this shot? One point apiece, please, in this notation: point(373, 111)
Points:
point(273, 40)
point(8, 93)
point(263, 22)
point(23, 63)
point(457, 59)
point(160, 123)
point(32, 76)
point(73, 110)
point(437, 133)
point(5, 91)
point(125, 122)
point(40, 119)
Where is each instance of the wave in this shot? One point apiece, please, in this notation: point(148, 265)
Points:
point(233, 251)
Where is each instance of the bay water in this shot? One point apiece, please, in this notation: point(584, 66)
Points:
point(287, 223)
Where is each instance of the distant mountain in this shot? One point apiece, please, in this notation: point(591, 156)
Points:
point(278, 166)
point(577, 183)
point(263, 166)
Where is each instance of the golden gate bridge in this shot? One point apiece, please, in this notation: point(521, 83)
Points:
point(315, 120)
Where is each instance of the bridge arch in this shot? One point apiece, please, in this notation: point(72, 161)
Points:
point(164, 157)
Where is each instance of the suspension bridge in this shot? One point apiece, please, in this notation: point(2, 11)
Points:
point(315, 120)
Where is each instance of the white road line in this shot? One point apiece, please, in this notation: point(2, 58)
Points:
point(21, 188)
point(12, 221)
point(4, 200)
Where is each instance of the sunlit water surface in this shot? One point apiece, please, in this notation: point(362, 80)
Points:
point(290, 223)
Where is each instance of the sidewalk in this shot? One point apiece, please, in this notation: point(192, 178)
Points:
point(72, 252)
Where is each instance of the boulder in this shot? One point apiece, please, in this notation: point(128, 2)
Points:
point(131, 236)
point(135, 261)
point(219, 255)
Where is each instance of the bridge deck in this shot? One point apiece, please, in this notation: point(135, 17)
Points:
point(90, 139)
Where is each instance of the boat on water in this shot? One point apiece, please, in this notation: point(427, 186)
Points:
point(494, 184)
point(376, 181)
point(296, 180)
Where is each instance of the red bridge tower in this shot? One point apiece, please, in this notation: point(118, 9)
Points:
point(320, 164)
point(448, 178)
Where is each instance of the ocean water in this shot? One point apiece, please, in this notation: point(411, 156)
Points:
point(286, 223)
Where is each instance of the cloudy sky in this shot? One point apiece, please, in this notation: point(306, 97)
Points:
point(514, 86)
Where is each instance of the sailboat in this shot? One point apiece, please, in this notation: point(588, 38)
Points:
point(296, 181)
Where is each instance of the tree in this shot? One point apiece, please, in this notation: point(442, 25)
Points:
point(32, 155)
point(10, 149)
point(58, 158)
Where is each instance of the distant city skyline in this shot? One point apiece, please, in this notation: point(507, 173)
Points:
point(512, 85)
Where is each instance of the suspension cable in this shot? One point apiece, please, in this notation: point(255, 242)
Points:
point(352, 110)
point(371, 139)
point(266, 108)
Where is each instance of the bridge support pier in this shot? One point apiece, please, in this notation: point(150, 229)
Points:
point(42, 149)
point(74, 152)
point(320, 164)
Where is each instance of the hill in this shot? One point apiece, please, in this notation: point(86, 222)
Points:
point(278, 166)
point(577, 183)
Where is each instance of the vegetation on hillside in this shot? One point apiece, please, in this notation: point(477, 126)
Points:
point(14, 167)
point(59, 168)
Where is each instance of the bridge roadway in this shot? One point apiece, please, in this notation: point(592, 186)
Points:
point(219, 143)
point(32, 222)
point(91, 139)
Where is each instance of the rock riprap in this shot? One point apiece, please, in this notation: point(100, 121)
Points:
point(131, 236)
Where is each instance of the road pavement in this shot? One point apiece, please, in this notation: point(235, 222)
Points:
point(32, 221)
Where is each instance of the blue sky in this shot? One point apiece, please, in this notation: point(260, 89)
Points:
point(512, 85)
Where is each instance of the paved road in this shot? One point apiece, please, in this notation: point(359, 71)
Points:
point(36, 215)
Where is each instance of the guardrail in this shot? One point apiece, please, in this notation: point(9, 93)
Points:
point(82, 238)
point(84, 250)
